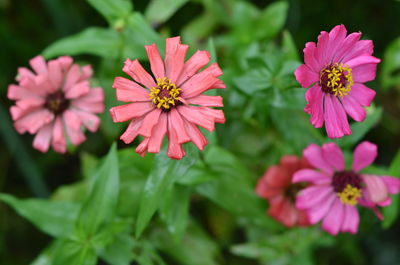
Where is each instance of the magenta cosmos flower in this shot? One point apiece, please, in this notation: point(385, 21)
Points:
point(334, 191)
point(54, 102)
point(172, 103)
point(336, 68)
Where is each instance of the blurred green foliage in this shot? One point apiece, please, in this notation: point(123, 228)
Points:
point(118, 208)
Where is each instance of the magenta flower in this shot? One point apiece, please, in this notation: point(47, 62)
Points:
point(334, 191)
point(172, 103)
point(54, 102)
point(336, 67)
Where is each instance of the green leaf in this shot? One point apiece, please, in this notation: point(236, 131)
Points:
point(253, 81)
point(95, 41)
point(114, 11)
point(289, 47)
point(164, 174)
point(391, 212)
point(391, 65)
point(359, 129)
point(69, 252)
point(271, 20)
point(120, 251)
point(99, 207)
point(54, 218)
point(175, 210)
point(159, 11)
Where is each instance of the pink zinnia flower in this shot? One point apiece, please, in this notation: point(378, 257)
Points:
point(335, 191)
point(54, 101)
point(336, 67)
point(276, 186)
point(172, 102)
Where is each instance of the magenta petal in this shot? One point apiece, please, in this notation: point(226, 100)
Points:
point(351, 219)
point(360, 47)
point(309, 57)
point(353, 108)
point(317, 212)
point(313, 196)
point(333, 155)
point(392, 184)
point(315, 106)
point(376, 188)
point(313, 154)
point(305, 76)
point(364, 73)
point(336, 123)
point(361, 60)
point(310, 175)
point(334, 219)
point(362, 94)
point(322, 54)
point(364, 154)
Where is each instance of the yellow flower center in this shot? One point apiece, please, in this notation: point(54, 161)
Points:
point(349, 195)
point(336, 79)
point(165, 95)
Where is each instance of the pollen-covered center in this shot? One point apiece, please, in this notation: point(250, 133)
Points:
point(56, 102)
point(165, 95)
point(347, 185)
point(336, 79)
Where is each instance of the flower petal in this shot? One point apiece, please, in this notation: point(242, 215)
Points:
point(392, 184)
point(336, 122)
point(33, 121)
point(131, 131)
point(362, 94)
point(201, 81)
point(156, 62)
point(194, 115)
point(43, 138)
point(206, 101)
point(351, 219)
point(376, 188)
point(305, 76)
point(176, 123)
point(38, 64)
point(364, 154)
point(333, 155)
point(318, 212)
point(313, 196)
point(135, 70)
point(129, 91)
point(157, 134)
point(58, 138)
point(315, 106)
point(149, 121)
point(175, 53)
point(334, 219)
point(313, 153)
point(353, 108)
point(195, 135)
point(194, 64)
point(310, 175)
point(130, 111)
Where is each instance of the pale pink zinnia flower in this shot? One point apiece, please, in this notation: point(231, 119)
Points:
point(54, 102)
point(334, 191)
point(336, 67)
point(172, 102)
point(276, 186)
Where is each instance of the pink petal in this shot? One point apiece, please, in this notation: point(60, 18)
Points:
point(58, 138)
point(30, 103)
point(156, 62)
point(305, 76)
point(219, 84)
point(361, 47)
point(55, 73)
point(75, 136)
point(42, 85)
point(195, 135)
point(309, 57)
point(376, 188)
point(33, 121)
point(315, 99)
point(24, 73)
point(310, 175)
point(72, 77)
point(78, 90)
point(194, 64)
point(336, 38)
point(333, 155)
point(313, 154)
point(87, 72)
point(65, 62)
point(135, 70)
point(142, 147)
point(364, 154)
point(201, 81)
point(43, 138)
point(364, 73)
point(322, 54)
point(149, 121)
point(157, 134)
point(351, 219)
point(95, 94)
point(347, 45)
point(207, 101)
point(176, 123)
point(129, 91)
point(90, 121)
point(175, 53)
point(130, 111)
point(217, 114)
point(132, 131)
point(362, 94)
point(316, 213)
point(39, 65)
point(313, 196)
point(175, 150)
point(334, 219)
point(392, 184)
point(72, 119)
point(91, 102)
point(336, 123)
point(353, 108)
point(194, 115)
point(361, 60)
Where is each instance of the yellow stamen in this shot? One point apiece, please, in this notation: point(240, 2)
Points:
point(165, 94)
point(334, 83)
point(349, 195)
